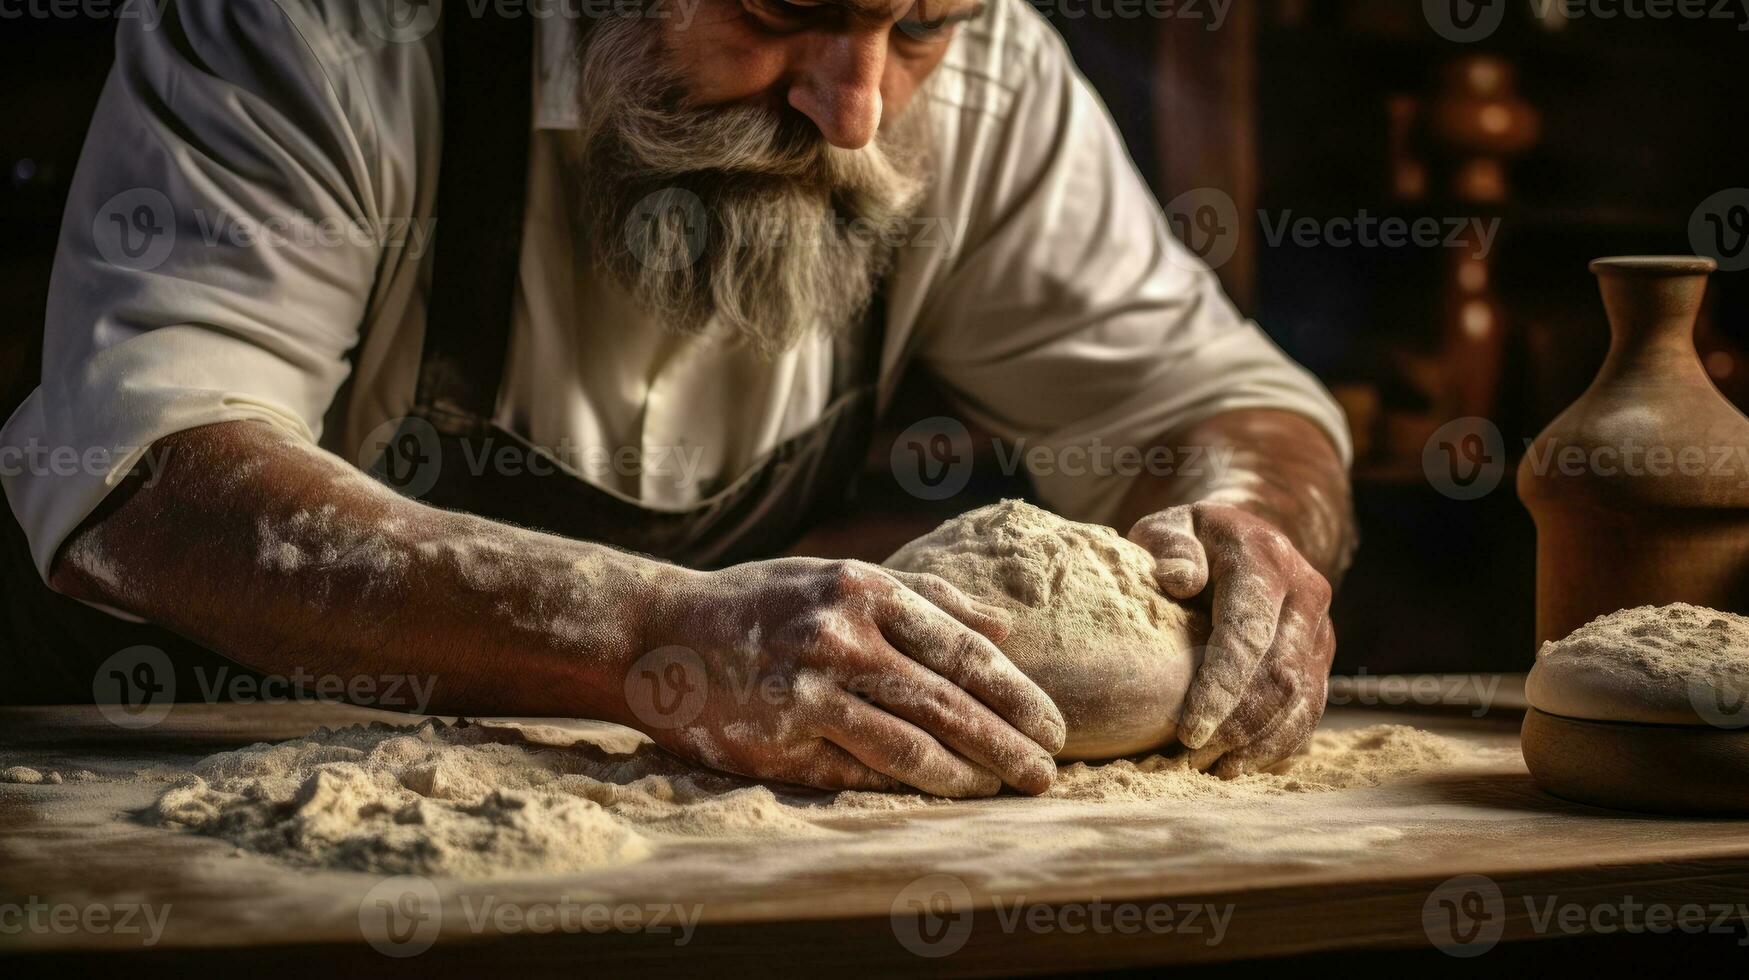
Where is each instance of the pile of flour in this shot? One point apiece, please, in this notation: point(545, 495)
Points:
point(1675, 664)
point(476, 801)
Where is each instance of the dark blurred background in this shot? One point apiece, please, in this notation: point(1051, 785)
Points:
point(1583, 135)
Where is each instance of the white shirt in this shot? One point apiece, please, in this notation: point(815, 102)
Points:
point(1045, 290)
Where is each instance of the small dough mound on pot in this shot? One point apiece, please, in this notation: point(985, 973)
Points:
point(1669, 665)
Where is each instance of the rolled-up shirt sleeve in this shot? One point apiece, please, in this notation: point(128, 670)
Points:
point(1072, 320)
point(215, 259)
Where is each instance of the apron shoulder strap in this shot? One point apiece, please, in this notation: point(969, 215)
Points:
point(488, 105)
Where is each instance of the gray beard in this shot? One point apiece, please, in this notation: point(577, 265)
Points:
point(736, 217)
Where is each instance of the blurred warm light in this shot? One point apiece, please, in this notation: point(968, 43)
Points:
point(1478, 319)
point(1473, 275)
point(1482, 180)
point(1485, 75)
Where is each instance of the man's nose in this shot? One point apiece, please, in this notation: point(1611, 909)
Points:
point(839, 87)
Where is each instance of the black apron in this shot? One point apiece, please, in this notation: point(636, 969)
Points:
point(54, 646)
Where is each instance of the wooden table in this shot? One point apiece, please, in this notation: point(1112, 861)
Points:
point(227, 909)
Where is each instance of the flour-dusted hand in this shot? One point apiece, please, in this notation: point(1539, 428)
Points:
point(842, 675)
point(1260, 690)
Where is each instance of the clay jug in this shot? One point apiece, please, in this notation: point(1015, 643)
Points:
point(1640, 489)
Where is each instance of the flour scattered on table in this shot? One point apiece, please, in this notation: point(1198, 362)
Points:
point(22, 774)
point(1335, 760)
point(479, 801)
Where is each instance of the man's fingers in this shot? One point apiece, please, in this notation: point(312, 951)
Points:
point(1281, 709)
point(830, 767)
point(903, 751)
point(981, 616)
point(1181, 568)
point(963, 724)
point(932, 638)
point(1247, 607)
point(1292, 731)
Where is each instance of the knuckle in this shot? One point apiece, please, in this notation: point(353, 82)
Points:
point(935, 583)
point(845, 579)
point(1265, 540)
point(1251, 634)
point(813, 688)
point(815, 632)
point(974, 654)
point(1218, 687)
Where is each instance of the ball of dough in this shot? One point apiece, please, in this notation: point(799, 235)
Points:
point(1090, 626)
point(1669, 665)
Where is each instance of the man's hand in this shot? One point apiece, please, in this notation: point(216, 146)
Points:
point(843, 675)
point(1259, 692)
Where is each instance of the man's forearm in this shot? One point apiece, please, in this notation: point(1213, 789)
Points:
point(289, 561)
point(1275, 464)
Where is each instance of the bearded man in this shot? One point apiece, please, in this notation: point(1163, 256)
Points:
point(614, 303)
